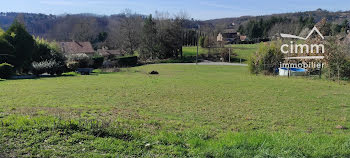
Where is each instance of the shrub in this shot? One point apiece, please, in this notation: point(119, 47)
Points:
point(49, 66)
point(225, 53)
point(338, 60)
point(266, 59)
point(83, 60)
point(98, 61)
point(126, 61)
point(72, 65)
point(346, 70)
point(6, 70)
point(47, 58)
point(42, 67)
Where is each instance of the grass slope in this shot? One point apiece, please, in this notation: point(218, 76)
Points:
point(195, 111)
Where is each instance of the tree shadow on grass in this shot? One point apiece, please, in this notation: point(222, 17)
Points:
point(34, 77)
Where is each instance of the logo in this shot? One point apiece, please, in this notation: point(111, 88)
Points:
point(308, 36)
point(305, 51)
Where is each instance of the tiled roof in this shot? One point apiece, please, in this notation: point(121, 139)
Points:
point(76, 47)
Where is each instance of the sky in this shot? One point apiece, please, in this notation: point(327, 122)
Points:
point(197, 9)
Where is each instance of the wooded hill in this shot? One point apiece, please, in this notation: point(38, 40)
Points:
point(318, 15)
point(93, 28)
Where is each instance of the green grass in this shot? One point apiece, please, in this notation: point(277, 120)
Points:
point(243, 51)
point(185, 111)
point(192, 51)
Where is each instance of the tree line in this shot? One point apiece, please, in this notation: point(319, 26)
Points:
point(266, 28)
point(120, 31)
point(150, 38)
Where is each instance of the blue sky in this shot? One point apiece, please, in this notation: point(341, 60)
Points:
point(198, 9)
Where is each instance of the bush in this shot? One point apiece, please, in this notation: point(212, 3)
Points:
point(346, 70)
point(51, 67)
point(225, 54)
point(266, 59)
point(83, 60)
point(126, 61)
point(98, 61)
point(47, 58)
point(6, 70)
point(72, 65)
point(338, 60)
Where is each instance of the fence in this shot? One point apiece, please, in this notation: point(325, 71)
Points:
point(219, 54)
point(273, 69)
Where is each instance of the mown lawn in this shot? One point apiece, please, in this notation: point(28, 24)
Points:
point(185, 111)
point(192, 51)
point(243, 51)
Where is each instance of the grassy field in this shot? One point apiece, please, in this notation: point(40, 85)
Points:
point(185, 111)
point(192, 51)
point(243, 51)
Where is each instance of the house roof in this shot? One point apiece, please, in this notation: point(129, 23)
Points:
point(76, 47)
point(106, 52)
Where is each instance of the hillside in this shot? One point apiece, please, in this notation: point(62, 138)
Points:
point(334, 17)
point(87, 27)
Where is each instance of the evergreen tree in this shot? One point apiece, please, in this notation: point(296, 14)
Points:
point(23, 44)
point(201, 41)
point(241, 29)
point(6, 51)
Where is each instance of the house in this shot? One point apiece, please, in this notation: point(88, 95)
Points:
point(219, 38)
point(230, 35)
point(105, 52)
point(77, 48)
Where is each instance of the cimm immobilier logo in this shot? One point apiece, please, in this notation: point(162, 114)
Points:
point(309, 51)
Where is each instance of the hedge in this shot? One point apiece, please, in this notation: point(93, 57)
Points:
point(6, 70)
point(126, 61)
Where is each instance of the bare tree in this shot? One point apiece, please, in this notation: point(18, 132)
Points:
point(85, 29)
point(179, 23)
point(130, 32)
point(114, 35)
